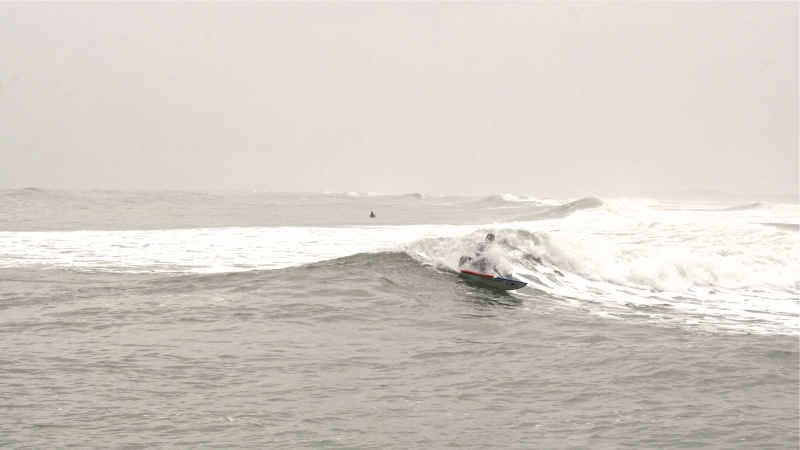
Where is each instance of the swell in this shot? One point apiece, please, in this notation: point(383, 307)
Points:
point(42, 210)
point(347, 269)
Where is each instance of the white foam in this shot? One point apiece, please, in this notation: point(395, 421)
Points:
point(208, 250)
point(716, 268)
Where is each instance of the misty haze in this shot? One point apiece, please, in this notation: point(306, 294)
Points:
point(558, 100)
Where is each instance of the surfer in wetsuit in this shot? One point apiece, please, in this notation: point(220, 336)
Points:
point(481, 263)
point(485, 245)
point(371, 214)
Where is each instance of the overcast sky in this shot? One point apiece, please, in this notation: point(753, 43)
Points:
point(543, 99)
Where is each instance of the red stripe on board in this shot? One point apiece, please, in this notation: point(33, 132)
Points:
point(476, 273)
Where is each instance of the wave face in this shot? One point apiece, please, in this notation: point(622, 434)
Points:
point(562, 211)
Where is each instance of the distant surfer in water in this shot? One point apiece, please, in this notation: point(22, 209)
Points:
point(371, 214)
point(481, 263)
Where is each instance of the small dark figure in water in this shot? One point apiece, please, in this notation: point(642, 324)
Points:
point(371, 214)
point(481, 264)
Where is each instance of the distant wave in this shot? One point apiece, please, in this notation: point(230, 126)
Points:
point(561, 211)
point(355, 194)
point(417, 196)
point(756, 205)
point(577, 205)
point(515, 199)
point(490, 199)
point(30, 191)
point(348, 194)
point(31, 197)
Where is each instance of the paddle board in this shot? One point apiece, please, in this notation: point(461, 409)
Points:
point(488, 280)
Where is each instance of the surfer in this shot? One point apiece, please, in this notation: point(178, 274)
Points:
point(481, 263)
point(485, 245)
point(371, 214)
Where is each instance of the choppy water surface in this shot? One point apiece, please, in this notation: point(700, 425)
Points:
point(195, 320)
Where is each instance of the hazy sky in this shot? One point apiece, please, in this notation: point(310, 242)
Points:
point(530, 98)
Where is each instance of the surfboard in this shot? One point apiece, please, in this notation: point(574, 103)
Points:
point(488, 280)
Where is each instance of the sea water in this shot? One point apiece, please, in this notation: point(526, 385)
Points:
point(290, 320)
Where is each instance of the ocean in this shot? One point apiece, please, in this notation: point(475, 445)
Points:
point(249, 320)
